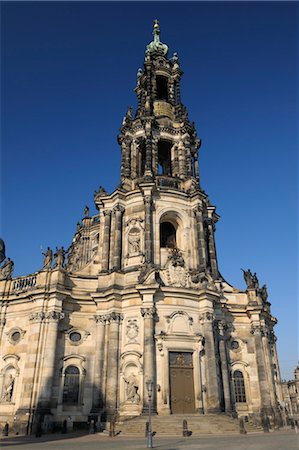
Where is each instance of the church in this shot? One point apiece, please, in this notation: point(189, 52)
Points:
point(138, 296)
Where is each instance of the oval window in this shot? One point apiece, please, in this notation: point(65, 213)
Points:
point(75, 336)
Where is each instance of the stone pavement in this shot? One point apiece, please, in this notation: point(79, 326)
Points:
point(278, 440)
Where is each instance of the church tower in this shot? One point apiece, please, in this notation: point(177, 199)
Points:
point(159, 149)
point(139, 296)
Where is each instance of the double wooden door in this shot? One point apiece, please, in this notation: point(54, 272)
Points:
point(181, 383)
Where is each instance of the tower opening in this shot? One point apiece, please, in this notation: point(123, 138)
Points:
point(167, 235)
point(162, 87)
point(164, 158)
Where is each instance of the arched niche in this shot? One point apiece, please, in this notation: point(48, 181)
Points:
point(170, 234)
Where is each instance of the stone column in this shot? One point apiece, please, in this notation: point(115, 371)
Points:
point(25, 412)
point(51, 319)
point(155, 156)
point(148, 228)
point(212, 248)
point(127, 170)
point(123, 159)
point(2, 325)
point(196, 170)
point(224, 368)
point(188, 161)
point(117, 237)
point(106, 241)
point(175, 160)
point(148, 155)
point(149, 352)
point(269, 365)
point(134, 163)
point(202, 257)
point(182, 160)
point(97, 392)
point(256, 330)
point(178, 91)
point(212, 388)
point(113, 365)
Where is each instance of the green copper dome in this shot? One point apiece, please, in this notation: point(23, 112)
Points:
point(156, 46)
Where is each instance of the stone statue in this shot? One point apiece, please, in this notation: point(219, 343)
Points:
point(7, 269)
point(129, 112)
point(132, 388)
point(264, 293)
point(255, 281)
point(86, 211)
point(59, 256)
point(8, 389)
point(2, 251)
point(176, 258)
point(48, 258)
point(100, 191)
point(248, 278)
point(78, 226)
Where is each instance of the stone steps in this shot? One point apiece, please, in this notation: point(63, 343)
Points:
point(173, 425)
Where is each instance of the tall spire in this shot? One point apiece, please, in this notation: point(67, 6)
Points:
point(156, 46)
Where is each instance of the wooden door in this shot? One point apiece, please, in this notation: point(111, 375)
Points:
point(181, 383)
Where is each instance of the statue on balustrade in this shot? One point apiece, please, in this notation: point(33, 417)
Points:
point(59, 257)
point(7, 269)
point(2, 251)
point(48, 258)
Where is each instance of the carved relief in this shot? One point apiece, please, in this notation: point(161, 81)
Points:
point(179, 322)
point(134, 241)
point(175, 272)
point(148, 313)
point(132, 331)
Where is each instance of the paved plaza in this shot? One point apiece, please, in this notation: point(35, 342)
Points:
point(279, 440)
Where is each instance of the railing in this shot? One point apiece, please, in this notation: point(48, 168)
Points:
point(168, 182)
point(24, 283)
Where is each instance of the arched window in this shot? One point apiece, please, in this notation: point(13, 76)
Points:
point(162, 88)
point(164, 158)
point(167, 235)
point(71, 385)
point(239, 387)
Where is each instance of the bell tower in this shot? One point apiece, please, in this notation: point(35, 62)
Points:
point(159, 188)
point(159, 144)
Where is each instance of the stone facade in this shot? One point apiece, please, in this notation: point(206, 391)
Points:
point(291, 395)
point(139, 295)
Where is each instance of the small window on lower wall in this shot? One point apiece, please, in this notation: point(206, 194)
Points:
point(71, 385)
point(239, 387)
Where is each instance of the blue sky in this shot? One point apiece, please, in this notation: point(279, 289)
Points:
point(67, 77)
